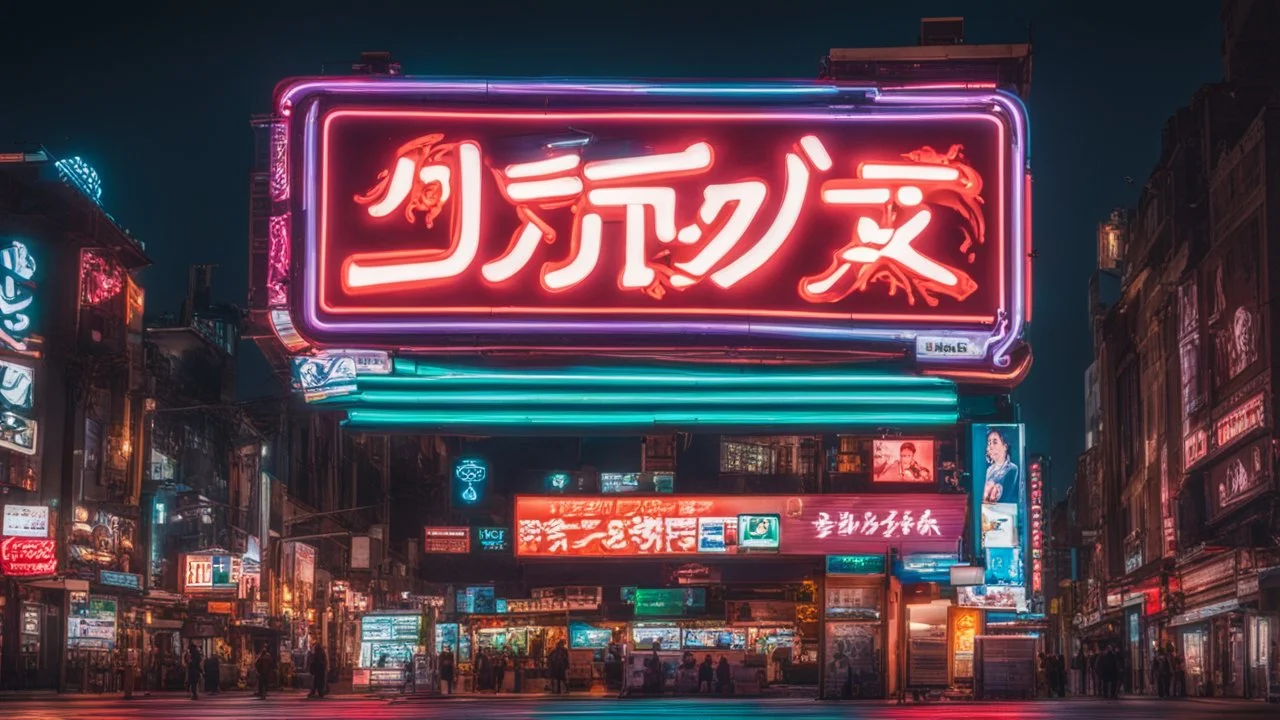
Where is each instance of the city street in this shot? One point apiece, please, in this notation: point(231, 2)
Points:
point(297, 706)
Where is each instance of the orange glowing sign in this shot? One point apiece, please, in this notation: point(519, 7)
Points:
point(598, 217)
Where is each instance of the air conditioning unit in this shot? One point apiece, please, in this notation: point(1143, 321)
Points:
point(942, 31)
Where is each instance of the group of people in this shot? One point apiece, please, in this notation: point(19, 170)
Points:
point(1169, 670)
point(1053, 673)
point(198, 670)
point(717, 678)
point(1102, 670)
point(491, 669)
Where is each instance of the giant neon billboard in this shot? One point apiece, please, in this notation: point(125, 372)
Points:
point(721, 525)
point(433, 214)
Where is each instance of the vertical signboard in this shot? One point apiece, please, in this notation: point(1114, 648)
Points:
point(964, 625)
point(998, 463)
point(1035, 499)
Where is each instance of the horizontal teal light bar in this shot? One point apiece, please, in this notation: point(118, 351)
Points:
point(383, 419)
point(661, 397)
point(408, 374)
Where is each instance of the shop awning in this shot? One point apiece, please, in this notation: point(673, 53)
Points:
point(70, 584)
point(1204, 612)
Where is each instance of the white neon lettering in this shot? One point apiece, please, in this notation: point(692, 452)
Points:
point(397, 190)
point(695, 157)
point(855, 196)
point(543, 189)
point(749, 197)
point(454, 261)
point(550, 166)
point(797, 186)
point(584, 259)
point(816, 152)
point(910, 196)
point(635, 273)
point(517, 257)
point(908, 171)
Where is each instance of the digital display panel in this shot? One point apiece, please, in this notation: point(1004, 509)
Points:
point(999, 476)
point(677, 525)
point(444, 210)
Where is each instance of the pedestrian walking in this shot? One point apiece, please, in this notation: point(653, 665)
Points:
point(263, 667)
point(558, 666)
point(195, 664)
point(319, 669)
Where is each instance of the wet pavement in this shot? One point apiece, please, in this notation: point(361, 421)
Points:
point(353, 707)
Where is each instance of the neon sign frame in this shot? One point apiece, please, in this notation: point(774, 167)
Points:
point(296, 176)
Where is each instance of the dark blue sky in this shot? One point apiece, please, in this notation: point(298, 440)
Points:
point(159, 99)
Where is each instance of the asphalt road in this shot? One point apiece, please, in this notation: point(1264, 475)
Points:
point(352, 708)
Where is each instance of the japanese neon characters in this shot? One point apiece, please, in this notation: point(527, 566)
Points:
point(736, 231)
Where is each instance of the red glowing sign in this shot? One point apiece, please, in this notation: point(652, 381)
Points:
point(1036, 488)
point(708, 526)
point(28, 557)
point(597, 218)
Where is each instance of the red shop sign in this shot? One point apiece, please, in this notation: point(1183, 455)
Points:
point(28, 557)
point(708, 525)
point(416, 214)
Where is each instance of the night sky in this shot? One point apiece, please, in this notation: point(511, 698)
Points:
point(159, 100)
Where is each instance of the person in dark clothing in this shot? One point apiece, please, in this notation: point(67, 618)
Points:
point(212, 674)
point(319, 669)
point(499, 671)
point(446, 670)
point(706, 675)
point(558, 666)
point(195, 661)
point(653, 671)
point(723, 676)
point(263, 666)
point(1046, 673)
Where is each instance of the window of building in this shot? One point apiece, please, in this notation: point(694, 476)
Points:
point(848, 455)
point(749, 458)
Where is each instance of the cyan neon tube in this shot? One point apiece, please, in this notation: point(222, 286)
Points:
point(531, 419)
point(659, 398)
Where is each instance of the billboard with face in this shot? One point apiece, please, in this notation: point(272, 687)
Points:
point(419, 212)
point(999, 482)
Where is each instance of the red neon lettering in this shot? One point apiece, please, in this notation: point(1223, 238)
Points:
point(882, 251)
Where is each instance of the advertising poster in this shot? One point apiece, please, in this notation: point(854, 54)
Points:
point(993, 597)
point(1000, 525)
point(998, 465)
point(589, 637)
point(1242, 475)
point(645, 635)
point(964, 625)
point(903, 461)
point(446, 540)
point(1004, 566)
point(759, 532)
point(324, 376)
point(26, 521)
point(101, 541)
point(18, 401)
point(91, 624)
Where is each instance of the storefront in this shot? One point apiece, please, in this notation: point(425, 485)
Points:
point(1210, 630)
point(389, 643)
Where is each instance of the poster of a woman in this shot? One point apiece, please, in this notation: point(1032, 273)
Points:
point(1003, 480)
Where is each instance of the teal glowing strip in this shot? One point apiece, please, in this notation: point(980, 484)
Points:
point(630, 377)
point(577, 419)
point(661, 397)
